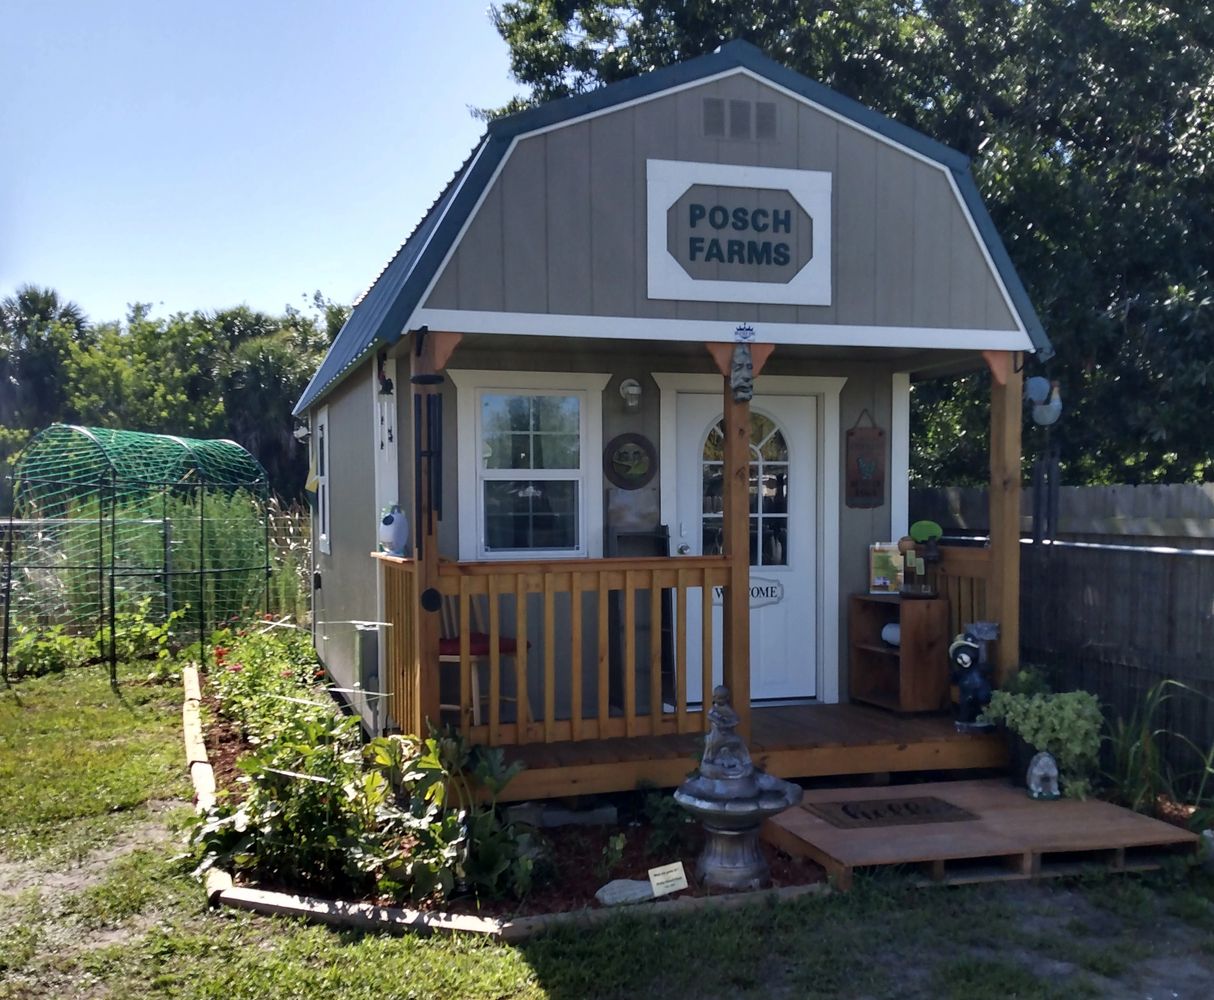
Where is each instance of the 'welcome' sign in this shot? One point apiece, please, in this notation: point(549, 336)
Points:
point(719, 232)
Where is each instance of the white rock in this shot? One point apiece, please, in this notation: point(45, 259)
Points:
point(622, 891)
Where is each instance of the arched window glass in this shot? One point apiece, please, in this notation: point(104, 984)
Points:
point(768, 491)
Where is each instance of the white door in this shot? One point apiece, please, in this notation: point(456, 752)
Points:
point(783, 535)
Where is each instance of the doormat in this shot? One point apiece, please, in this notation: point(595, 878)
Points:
point(865, 813)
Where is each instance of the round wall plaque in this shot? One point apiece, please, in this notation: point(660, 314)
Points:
point(630, 461)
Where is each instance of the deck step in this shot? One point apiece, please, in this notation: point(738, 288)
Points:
point(1012, 837)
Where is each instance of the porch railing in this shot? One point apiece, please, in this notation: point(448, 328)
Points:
point(402, 662)
point(553, 629)
point(964, 576)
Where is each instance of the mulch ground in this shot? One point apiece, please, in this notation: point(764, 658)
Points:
point(576, 855)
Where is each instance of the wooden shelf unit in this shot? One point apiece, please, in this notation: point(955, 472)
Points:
point(911, 677)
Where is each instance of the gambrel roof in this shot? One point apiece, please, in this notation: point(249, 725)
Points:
point(382, 315)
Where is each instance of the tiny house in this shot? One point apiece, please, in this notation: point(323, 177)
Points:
point(614, 378)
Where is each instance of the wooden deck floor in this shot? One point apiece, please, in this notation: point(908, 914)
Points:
point(799, 741)
point(1009, 836)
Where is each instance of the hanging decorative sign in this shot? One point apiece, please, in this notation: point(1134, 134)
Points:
point(865, 464)
point(630, 461)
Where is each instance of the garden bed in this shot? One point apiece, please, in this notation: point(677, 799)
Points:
point(567, 864)
point(582, 858)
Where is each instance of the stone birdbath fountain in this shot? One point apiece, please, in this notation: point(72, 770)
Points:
point(731, 798)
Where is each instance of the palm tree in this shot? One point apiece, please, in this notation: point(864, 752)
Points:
point(37, 330)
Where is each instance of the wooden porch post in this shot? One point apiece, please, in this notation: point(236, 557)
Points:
point(428, 355)
point(735, 516)
point(1004, 597)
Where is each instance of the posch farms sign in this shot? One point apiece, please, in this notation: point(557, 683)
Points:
point(739, 234)
point(725, 233)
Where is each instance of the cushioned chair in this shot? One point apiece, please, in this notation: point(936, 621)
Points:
point(478, 649)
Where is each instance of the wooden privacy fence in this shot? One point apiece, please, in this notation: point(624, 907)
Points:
point(569, 631)
point(1117, 619)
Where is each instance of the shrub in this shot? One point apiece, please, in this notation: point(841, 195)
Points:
point(49, 650)
point(448, 837)
point(1066, 725)
point(415, 818)
point(308, 816)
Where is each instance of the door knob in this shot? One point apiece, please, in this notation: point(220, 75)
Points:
point(684, 549)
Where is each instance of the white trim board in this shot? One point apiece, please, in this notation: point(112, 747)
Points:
point(899, 456)
point(1024, 344)
point(827, 391)
point(666, 181)
point(699, 330)
point(467, 381)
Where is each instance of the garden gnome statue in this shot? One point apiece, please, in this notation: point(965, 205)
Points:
point(973, 686)
point(742, 373)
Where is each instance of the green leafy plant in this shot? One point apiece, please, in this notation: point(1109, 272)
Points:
point(1139, 774)
point(1028, 681)
point(1066, 725)
point(613, 854)
point(670, 825)
point(309, 813)
point(452, 835)
point(49, 649)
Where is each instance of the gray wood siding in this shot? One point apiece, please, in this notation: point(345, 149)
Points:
point(348, 573)
point(562, 228)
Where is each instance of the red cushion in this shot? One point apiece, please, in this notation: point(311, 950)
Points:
point(478, 645)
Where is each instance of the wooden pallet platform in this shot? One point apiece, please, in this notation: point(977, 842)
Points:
point(1013, 836)
point(790, 741)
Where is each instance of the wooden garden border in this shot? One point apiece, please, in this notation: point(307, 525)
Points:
point(221, 891)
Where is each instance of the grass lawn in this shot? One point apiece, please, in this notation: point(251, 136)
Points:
point(95, 901)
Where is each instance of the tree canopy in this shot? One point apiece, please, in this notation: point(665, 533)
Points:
point(1090, 124)
point(230, 373)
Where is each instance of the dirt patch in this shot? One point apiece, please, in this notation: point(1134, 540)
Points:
point(81, 873)
point(225, 746)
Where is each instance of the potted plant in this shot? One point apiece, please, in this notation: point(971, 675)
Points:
point(1066, 725)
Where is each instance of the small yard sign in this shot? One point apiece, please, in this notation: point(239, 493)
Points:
point(666, 879)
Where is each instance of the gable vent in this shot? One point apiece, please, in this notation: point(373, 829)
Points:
point(765, 120)
point(739, 119)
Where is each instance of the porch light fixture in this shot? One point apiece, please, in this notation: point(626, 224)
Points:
point(302, 431)
point(630, 389)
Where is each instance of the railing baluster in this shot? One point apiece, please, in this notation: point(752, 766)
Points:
point(495, 663)
point(655, 654)
point(468, 711)
point(604, 694)
point(522, 726)
point(575, 655)
point(549, 658)
point(680, 654)
point(630, 655)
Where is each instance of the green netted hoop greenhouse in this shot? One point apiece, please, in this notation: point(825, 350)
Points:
point(109, 523)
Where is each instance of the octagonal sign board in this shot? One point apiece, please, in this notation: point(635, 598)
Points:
point(739, 234)
point(727, 233)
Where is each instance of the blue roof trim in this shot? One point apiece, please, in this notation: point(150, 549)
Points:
point(1003, 264)
point(379, 319)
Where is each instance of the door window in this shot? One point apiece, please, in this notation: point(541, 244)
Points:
point(768, 491)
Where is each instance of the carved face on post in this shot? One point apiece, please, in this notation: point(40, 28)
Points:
point(742, 374)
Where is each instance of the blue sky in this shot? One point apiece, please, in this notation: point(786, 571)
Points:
point(203, 154)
